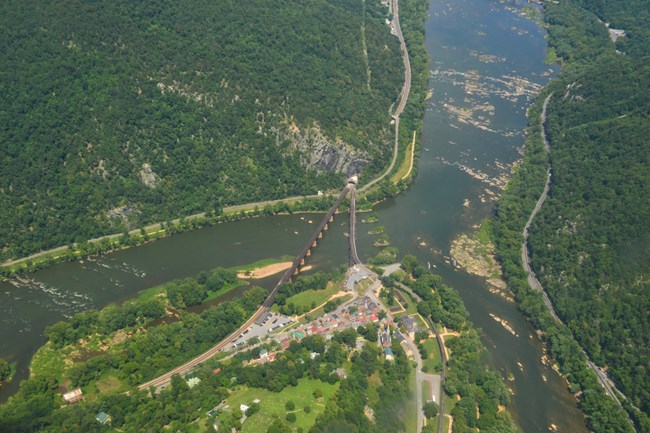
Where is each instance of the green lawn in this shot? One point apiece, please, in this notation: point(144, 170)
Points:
point(434, 354)
point(107, 383)
point(450, 403)
point(412, 305)
point(362, 285)
point(306, 299)
point(426, 391)
point(272, 404)
point(445, 424)
point(311, 316)
point(411, 420)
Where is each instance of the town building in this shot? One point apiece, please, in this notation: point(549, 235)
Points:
point(73, 396)
point(410, 326)
point(103, 418)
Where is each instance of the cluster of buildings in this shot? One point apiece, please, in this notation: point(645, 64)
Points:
point(76, 395)
point(360, 313)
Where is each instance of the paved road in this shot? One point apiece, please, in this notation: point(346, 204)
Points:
point(435, 386)
point(604, 380)
point(436, 381)
point(406, 89)
point(532, 279)
point(419, 378)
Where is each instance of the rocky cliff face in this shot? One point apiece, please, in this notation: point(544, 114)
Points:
point(320, 152)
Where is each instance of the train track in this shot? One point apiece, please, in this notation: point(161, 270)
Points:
point(164, 379)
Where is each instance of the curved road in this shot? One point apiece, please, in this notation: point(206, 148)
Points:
point(532, 279)
point(352, 237)
point(421, 376)
point(406, 89)
point(604, 380)
point(443, 375)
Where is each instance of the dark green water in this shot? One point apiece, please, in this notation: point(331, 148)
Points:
point(480, 50)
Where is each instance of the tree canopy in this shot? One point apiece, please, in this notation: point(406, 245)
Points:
point(116, 114)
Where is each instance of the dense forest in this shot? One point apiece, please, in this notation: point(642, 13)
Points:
point(118, 114)
point(590, 244)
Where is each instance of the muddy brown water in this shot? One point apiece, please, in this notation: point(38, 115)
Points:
point(486, 65)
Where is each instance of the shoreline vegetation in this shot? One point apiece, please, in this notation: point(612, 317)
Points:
point(475, 254)
point(204, 120)
point(412, 18)
point(579, 39)
point(412, 23)
point(105, 358)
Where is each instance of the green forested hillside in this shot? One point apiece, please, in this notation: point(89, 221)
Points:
point(590, 244)
point(175, 107)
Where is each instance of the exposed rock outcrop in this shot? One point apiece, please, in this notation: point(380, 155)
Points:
point(320, 152)
point(148, 177)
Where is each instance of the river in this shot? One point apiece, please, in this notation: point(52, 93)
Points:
point(486, 65)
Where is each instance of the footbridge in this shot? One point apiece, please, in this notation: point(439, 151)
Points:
point(299, 261)
point(352, 238)
point(350, 187)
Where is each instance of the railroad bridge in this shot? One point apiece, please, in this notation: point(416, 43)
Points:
point(350, 188)
point(299, 261)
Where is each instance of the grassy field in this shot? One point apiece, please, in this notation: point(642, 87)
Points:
point(313, 315)
point(434, 354)
point(272, 404)
point(312, 298)
point(426, 391)
point(412, 305)
point(450, 404)
point(420, 321)
point(407, 163)
point(445, 424)
point(107, 383)
point(411, 420)
point(362, 285)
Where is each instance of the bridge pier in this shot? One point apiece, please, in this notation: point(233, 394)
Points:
point(320, 235)
point(326, 227)
point(302, 262)
point(308, 252)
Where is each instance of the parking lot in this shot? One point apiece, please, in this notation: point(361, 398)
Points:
point(264, 326)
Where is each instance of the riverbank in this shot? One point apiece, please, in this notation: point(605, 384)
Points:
point(520, 201)
point(312, 203)
point(266, 271)
point(475, 254)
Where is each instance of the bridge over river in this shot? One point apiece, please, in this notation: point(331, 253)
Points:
point(350, 188)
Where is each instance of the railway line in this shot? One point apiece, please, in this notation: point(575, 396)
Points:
point(603, 378)
point(164, 379)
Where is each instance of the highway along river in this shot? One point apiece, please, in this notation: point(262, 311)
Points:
point(487, 64)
